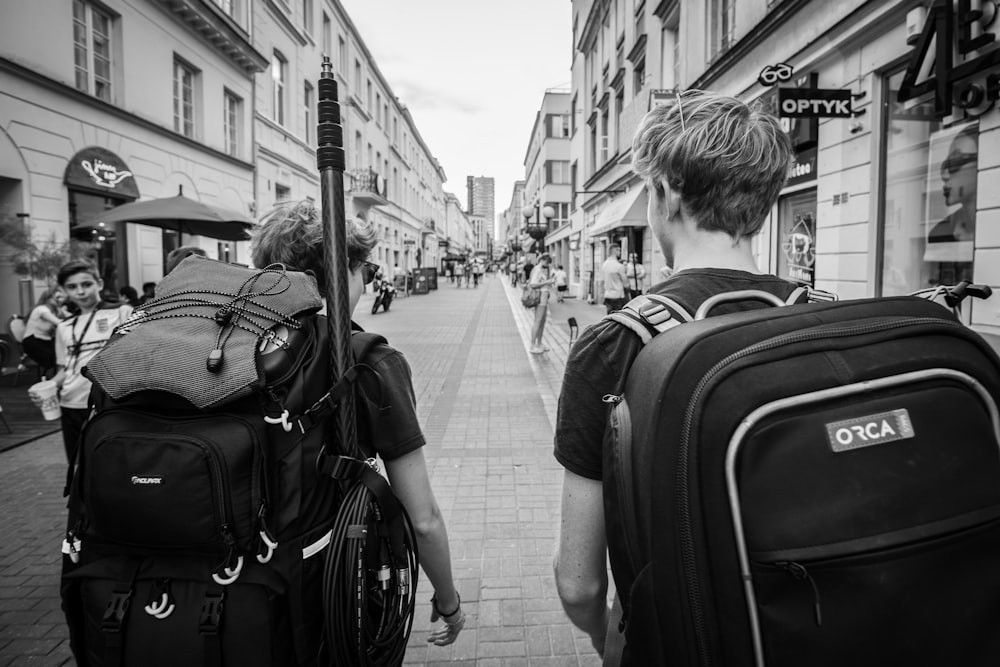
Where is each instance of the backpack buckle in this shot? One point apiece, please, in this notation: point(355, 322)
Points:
point(114, 614)
point(655, 313)
point(211, 613)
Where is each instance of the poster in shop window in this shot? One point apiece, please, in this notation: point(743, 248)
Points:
point(797, 251)
point(950, 217)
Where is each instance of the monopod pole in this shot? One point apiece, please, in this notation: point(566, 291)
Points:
point(330, 160)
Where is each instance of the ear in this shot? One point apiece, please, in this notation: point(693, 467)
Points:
point(671, 200)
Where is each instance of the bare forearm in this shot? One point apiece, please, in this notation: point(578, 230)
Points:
point(435, 559)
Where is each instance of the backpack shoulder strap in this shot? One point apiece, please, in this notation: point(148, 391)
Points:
point(362, 343)
point(650, 314)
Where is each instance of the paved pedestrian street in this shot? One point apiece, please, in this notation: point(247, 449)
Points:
point(487, 407)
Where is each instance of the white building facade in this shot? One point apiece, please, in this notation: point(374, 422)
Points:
point(102, 103)
point(892, 198)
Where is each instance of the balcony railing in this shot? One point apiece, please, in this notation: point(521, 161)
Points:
point(367, 185)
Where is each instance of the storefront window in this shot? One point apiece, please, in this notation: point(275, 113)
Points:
point(103, 244)
point(929, 211)
point(797, 238)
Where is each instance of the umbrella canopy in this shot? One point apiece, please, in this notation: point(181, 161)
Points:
point(183, 215)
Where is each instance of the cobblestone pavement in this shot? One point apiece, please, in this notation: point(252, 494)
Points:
point(487, 407)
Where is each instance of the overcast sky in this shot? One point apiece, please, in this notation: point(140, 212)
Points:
point(472, 73)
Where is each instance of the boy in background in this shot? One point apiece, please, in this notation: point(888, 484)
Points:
point(77, 340)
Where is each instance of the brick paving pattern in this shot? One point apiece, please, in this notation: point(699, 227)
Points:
point(487, 407)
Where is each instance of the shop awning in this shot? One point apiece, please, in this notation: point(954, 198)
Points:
point(627, 210)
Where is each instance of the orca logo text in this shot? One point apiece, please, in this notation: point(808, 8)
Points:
point(869, 430)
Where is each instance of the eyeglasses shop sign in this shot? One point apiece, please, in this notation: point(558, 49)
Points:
point(814, 103)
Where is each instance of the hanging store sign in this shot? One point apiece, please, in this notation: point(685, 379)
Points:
point(814, 103)
point(955, 29)
point(773, 74)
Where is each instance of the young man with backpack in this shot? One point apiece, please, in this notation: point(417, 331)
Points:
point(812, 483)
point(215, 518)
point(713, 169)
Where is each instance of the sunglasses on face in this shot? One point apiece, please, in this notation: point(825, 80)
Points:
point(956, 161)
point(368, 271)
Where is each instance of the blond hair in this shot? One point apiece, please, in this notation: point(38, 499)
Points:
point(292, 234)
point(727, 161)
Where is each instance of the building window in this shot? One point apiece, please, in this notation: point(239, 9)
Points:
point(557, 125)
point(281, 193)
point(638, 77)
point(307, 105)
point(92, 50)
point(378, 109)
point(557, 172)
point(234, 9)
point(327, 36)
point(722, 26)
point(368, 96)
point(183, 98)
point(357, 78)
point(358, 157)
point(930, 196)
point(279, 74)
point(342, 54)
point(231, 115)
point(307, 16)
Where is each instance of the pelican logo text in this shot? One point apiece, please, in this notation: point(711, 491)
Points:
point(869, 430)
point(146, 480)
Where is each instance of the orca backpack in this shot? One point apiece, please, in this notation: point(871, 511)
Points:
point(816, 484)
point(197, 515)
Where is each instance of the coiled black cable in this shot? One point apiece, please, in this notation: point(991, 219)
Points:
point(369, 582)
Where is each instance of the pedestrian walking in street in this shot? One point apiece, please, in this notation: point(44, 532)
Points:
point(614, 279)
point(292, 235)
point(713, 168)
point(77, 341)
point(561, 284)
point(542, 280)
point(635, 276)
point(477, 272)
point(459, 272)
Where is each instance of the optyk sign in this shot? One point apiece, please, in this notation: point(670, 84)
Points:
point(814, 103)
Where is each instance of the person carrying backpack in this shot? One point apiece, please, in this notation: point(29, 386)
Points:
point(292, 235)
point(713, 168)
point(215, 518)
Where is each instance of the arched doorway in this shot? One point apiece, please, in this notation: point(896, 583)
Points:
point(98, 180)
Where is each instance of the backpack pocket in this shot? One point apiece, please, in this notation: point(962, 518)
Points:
point(901, 604)
point(192, 483)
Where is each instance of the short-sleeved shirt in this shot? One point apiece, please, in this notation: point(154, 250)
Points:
point(77, 341)
point(614, 278)
point(601, 358)
point(397, 431)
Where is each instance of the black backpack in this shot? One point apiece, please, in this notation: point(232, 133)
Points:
point(810, 485)
point(198, 523)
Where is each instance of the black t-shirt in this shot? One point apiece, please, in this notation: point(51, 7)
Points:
point(600, 360)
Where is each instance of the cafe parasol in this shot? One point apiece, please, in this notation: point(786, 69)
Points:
point(183, 215)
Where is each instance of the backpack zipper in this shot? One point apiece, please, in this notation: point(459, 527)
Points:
point(689, 564)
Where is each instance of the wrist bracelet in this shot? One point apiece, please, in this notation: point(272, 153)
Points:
point(440, 613)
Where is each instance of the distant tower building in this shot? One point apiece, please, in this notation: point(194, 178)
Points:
point(481, 196)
